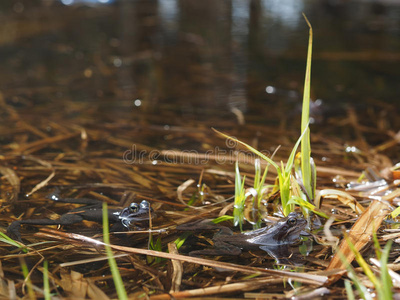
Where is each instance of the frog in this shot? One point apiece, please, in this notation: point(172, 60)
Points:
point(273, 239)
point(91, 211)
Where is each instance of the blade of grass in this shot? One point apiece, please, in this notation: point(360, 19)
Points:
point(157, 246)
point(378, 250)
point(248, 147)
point(349, 290)
point(257, 173)
point(305, 118)
point(25, 272)
point(240, 197)
point(351, 273)
point(290, 160)
point(259, 185)
point(222, 219)
point(46, 285)
point(363, 264)
point(119, 285)
point(6, 239)
point(395, 213)
point(305, 204)
point(386, 280)
point(284, 178)
point(181, 240)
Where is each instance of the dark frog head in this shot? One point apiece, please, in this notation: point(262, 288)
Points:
point(135, 213)
point(287, 230)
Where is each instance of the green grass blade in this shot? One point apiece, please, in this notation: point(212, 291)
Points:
point(313, 177)
point(349, 290)
point(386, 280)
point(182, 239)
point(257, 173)
point(222, 219)
point(362, 290)
point(260, 189)
point(156, 246)
point(305, 118)
point(25, 272)
point(46, 285)
point(240, 197)
point(239, 201)
point(305, 204)
point(6, 239)
point(363, 264)
point(290, 160)
point(395, 213)
point(284, 179)
point(255, 151)
point(119, 285)
point(377, 246)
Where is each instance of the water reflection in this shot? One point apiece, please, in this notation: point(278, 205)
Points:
point(85, 2)
point(287, 12)
point(200, 58)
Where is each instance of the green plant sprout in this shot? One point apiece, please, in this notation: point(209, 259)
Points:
point(46, 285)
point(260, 188)
point(156, 246)
point(25, 272)
point(240, 198)
point(349, 290)
point(257, 193)
point(284, 173)
point(182, 239)
point(222, 219)
point(119, 285)
point(308, 173)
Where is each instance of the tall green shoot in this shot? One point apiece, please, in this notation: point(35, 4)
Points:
point(25, 272)
point(259, 186)
point(308, 173)
point(240, 197)
point(46, 285)
point(119, 285)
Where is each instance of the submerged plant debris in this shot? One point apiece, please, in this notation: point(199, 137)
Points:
point(182, 190)
point(120, 150)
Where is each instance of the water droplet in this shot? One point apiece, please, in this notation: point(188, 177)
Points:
point(270, 89)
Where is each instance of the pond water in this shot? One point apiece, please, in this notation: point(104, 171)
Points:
point(195, 60)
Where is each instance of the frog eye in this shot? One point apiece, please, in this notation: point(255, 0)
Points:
point(134, 207)
point(144, 204)
point(292, 222)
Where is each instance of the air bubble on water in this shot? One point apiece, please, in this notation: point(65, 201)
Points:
point(270, 89)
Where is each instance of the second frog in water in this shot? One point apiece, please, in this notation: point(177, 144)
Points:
point(272, 239)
